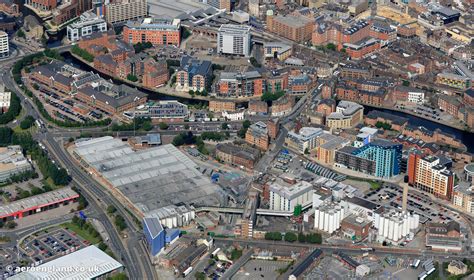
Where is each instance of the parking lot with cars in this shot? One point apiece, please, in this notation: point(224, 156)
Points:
point(39, 248)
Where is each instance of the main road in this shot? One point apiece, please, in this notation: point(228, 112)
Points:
point(135, 259)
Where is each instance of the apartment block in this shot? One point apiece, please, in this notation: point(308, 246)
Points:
point(257, 135)
point(295, 28)
point(125, 10)
point(234, 39)
point(157, 31)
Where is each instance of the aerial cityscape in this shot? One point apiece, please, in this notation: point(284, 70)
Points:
point(237, 139)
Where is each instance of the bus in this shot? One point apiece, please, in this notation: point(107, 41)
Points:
point(187, 271)
point(367, 249)
point(415, 264)
point(215, 252)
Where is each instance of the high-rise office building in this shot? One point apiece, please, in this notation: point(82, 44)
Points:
point(125, 10)
point(234, 39)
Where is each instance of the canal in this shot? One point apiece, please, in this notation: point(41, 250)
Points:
point(467, 138)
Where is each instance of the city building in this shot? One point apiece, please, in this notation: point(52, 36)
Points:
point(445, 237)
point(449, 104)
point(293, 27)
point(408, 95)
point(87, 263)
point(234, 39)
point(277, 50)
point(328, 217)
point(379, 158)
point(273, 127)
point(124, 10)
point(396, 122)
point(5, 98)
point(355, 227)
point(43, 5)
point(110, 98)
point(154, 234)
point(288, 197)
point(173, 216)
point(9, 7)
point(237, 155)
point(283, 105)
point(303, 140)
point(276, 81)
point(37, 204)
point(348, 114)
point(430, 174)
point(12, 162)
point(226, 5)
point(157, 31)
point(222, 106)
point(257, 107)
point(457, 81)
point(355, 71)
point(366, 134)
point(457, 267)
point(326, 147)
point(300, 84)
point(4, 47)
point(463, 197)
point(237, 84)
point(393, 226)
point(193, 74)
point(163, 173)
point(161, 111)
point(326, 106)
point(87, 24)
point(146, 141)
point(363, 208)
point(257, 135)
point(469, 172)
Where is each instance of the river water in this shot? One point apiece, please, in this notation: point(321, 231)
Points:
point(467, 138)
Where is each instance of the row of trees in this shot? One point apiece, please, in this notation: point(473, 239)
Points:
point(268, 96)
point(242, 131)
point(187, 138)
point(27, 122)
point(82, 53)
point(58, 175)
point(139, 47)
point(137, 124)
point(314, 238)
point(197, 92)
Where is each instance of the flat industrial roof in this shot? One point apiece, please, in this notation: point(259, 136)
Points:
point(36, 201)
point(87, 263)
point(150, 178)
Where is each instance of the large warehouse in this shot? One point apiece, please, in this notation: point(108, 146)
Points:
point(146, 179)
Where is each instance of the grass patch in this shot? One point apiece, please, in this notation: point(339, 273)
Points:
point(375, 185)
point(82, 233)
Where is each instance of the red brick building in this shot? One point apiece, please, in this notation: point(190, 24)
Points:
point(153, 30)
point(449, 104)
point(468, 97)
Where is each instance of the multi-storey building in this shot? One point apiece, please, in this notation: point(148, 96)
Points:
point(193, 74)
point(468, 97)
point(355, 71)
point(295, 28)
point(277, 50)
point(221, 4)
point(222, 106)
point(125, 10)
point(4, 47)
point(454, 80)
point(326, 106)
point(257, 107)
point(236, 84)
point(286, 198)
point(237, 155)
point(276, 81)
point(88, 24)
point(153, 30)
point(430, 174)
point(408, 95)
point(348, 114)
point(304, 140)
point(155, 73)
point(273, 126)
point(12, 161)
point(5, 97)
point(9, 8)
point(43, 5)
point(283, 105)
point(300, 84)
point(463, 197)
point(257, 135)
point(234, 39)
point(379, 158)
point(163, 110)
point(449, 104)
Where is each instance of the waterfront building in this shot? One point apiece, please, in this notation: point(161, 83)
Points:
point(237, 84)
point(88, 24)
point(193, 74)
point(463, 197)
point(348, 114)
point(163, 110)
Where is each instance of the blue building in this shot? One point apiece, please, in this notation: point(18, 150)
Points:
point(171, 234)
point(155, 235)
point(380, 158)
point(386, 154)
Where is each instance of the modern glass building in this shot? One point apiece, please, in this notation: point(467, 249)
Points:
point(386, 154)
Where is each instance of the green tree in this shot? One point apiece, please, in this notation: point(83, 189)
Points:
point(290, 237)
point(111, 209)
point(314, 238)
point(27, 122)
point(118, 276)
point(132, 78)
point(406, 83)
point(82, 53)
point(273, 236)
point(11, 225)
point(268, 96)
point(120, 222)
point(306, 151)
point(225, 126)
point(200, 275)
point(163, 126)
point(20, 33)
point(5, 136)
point(301, 237)
point(102, 246)
point(331, 46)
